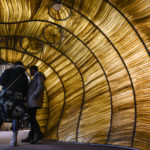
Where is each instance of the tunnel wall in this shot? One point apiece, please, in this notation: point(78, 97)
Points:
point(95, 55)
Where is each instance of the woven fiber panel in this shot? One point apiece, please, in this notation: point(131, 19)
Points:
point(95, 56)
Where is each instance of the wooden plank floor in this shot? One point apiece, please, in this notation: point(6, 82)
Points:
point(5, 137)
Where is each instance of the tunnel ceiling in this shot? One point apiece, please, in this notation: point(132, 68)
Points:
point(95, 55)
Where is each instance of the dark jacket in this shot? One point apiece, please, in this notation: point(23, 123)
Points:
point(36, 90)
point(10, 75)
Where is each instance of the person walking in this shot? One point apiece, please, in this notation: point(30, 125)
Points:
point(35, 101)
point(15, 84)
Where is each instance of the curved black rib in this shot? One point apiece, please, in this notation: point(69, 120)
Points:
point(130, 25)
point(95, 25)
point(82, 85)
point(145, 49)
point(48, 109)
point(91, 53)
point(5, 48)
point(122, 62)
point(75, 67)
point(95, 56)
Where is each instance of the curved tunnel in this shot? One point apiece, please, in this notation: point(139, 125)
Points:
point(95, 56)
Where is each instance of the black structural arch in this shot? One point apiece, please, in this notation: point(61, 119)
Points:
point(121, 59)
point(124, 65)
point(57, 73)
point(91, 53)
point(20, 51)
point(130, 23)
point(99, 29)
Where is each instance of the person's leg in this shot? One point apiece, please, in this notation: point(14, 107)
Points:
point(35, 127)
point(15, 129)
point(30, 136)
point(16, 125)
point(1, 120)
point(1, 123)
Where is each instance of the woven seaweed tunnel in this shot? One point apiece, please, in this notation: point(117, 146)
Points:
point(95, 56)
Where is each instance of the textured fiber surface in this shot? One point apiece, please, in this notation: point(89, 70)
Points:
point(95, 56)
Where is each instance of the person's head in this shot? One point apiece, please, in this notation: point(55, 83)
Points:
point(33, 70)
point(18, 63)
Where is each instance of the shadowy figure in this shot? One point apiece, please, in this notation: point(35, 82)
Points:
point(35, 102)
point(15, 83)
